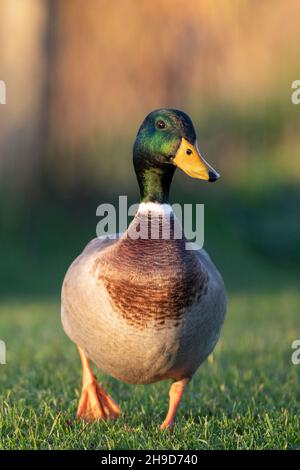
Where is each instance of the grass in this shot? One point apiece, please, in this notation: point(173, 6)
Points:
point(246, 396)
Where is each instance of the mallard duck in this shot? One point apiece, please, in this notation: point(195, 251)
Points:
point(146, 309)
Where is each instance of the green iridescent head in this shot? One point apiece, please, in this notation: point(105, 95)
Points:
point(166, 140)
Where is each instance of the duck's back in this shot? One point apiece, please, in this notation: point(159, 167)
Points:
point(144, 309)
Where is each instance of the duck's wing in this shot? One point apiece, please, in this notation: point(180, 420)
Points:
point(78, 274)
point(207, 263)
point(99, 243)
point(216, 305)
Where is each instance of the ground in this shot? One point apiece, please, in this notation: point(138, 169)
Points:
point(246, 396)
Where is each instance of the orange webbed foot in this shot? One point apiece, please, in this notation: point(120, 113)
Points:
point(94, 403)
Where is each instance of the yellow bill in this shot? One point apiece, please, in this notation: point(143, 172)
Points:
point(189, 159)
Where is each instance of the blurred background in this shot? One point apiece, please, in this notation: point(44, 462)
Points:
point(81, 76)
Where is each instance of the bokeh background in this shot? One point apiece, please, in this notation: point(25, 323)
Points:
point(80, 78)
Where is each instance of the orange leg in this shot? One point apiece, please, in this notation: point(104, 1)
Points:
point(175, 393)
point(94, 402)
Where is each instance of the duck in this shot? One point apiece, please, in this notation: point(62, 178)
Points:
point(145, 308)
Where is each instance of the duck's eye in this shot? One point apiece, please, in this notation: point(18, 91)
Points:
point(189, 152)
point(160, 124)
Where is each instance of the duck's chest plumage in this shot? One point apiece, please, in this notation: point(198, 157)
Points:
point(152, 281)
point(142, 307)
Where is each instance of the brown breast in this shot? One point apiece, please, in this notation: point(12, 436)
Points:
point(151, 281)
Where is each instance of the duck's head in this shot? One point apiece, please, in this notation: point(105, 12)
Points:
point(166, 140)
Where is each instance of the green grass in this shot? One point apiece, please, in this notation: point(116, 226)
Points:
point(245, 397)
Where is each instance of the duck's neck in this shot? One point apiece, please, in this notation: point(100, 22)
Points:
point(154, 183)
